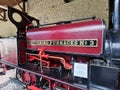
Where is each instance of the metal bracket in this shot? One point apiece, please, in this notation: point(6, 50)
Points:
point(25, 19)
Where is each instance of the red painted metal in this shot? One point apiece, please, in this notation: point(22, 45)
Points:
point(87, 30)
point(42, 55)
point(31, 87)
point(93, 29)
point(32, 58)
point(22, 52)
point(26, 77)
point(33, 79)
point(4, 69)
point(8, 50)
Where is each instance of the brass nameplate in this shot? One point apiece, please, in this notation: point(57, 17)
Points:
point(77, 42)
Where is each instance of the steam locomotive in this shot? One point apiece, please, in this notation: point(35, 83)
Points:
point(80, 55)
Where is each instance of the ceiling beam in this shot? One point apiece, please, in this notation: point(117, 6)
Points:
point(23, 6)
point(3, 7)
point(3, 16)
point(9, 2)
point(3, 13)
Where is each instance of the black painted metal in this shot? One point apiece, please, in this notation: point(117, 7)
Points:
point(112, 41)
point(116, 15)
point(112, 46)
point(115, 33)
point(66, 1)
point(26, 19)
point(65, 22)
point(104, 76)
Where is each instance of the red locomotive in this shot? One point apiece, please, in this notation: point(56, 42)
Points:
point(79, 55)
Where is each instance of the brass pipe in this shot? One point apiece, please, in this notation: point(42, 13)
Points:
point(62, 60)
point(41, 70)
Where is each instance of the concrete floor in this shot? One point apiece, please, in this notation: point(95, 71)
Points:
point(9, 73)
point(7, 84)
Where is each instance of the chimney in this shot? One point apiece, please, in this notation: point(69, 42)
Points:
point(116, 16)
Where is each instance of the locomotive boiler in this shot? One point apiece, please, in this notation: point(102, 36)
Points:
point(66, 55)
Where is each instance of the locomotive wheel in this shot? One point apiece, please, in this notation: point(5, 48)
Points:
point(18, 75)
point(22, 76)
point(26, 78)
point(31, 79)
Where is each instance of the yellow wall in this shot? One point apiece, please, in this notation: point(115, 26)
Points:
point(48, 11)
